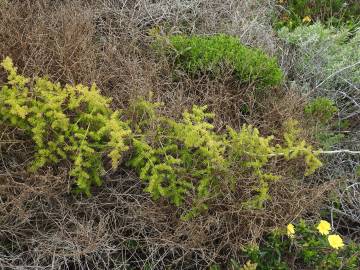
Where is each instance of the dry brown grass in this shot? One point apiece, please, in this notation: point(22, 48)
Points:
point(44, 226)
point(50, 39)
point(41, 225)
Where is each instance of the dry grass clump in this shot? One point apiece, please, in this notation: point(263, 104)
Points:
point(48, 38)
point(248, 19)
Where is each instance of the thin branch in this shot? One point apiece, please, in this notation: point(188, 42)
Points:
point(337, 72)
point(347, 151)
point(341, 151)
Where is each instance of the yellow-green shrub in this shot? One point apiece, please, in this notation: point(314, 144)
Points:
point(249, 151)
point(181, 158)
point(184, 160)
point(65, 123)
point(295, 147)
point(188, 162)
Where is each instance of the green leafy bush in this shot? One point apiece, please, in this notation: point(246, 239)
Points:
point(294, 13)
point(72, 123)
point(304, 247)
point(187, 162)
point(211, 54)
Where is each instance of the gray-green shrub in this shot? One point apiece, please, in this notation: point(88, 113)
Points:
point(327, 61)
point(325, 56)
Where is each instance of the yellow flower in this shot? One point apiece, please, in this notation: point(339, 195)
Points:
point(324, 227)
point(335, 241)
point(290, 230)
point(306, 19)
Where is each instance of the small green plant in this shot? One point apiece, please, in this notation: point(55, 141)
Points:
point(328, 139)
point(357, 171)
point(212, 54)
point(295, 146)
point(294, 13)
point(304, 247)
point(189, 163)
point(321, 109)
point(65, 123)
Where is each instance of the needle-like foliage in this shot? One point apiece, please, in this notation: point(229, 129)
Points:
point(65, 123)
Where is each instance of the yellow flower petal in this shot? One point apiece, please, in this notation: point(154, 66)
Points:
point(290, 230)
point(324, 227)
point(335, 241)
point(306, 19)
